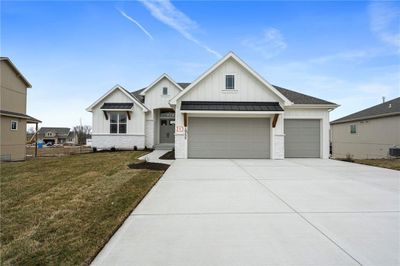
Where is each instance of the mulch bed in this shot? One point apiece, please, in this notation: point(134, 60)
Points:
point(148, 165)
point(168, 156)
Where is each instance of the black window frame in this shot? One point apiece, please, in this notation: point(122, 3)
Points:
point(14, 122)
point(353, 129)
point(120, 126)
point(165, 91)
point(228, 77)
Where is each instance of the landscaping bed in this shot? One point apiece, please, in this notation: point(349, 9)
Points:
point(62, 211)
point(168, 156)
point(149, 166)
point(384, 163)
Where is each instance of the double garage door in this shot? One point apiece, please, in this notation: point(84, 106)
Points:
point(229, 137)
point(250, 138)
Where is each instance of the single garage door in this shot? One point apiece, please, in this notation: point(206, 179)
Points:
point(302, 138)
point(228, 137)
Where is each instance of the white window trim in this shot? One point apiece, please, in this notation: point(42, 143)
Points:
point(162, 91)
point(355, 129)
point(16, 125)
point(234, 82)
point(118, 123)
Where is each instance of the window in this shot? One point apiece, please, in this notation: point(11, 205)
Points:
point(118, 123)
point(165, 91)
point(229, 82)
point(353, 129)
point(14, 125)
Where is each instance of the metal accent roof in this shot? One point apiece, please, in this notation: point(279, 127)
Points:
point(230, 106)
point(389, 108)
point(117, 106)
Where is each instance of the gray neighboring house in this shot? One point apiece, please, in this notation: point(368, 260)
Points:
point(367, 134)
point(53, 135)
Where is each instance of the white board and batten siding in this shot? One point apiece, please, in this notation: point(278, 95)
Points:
point(135, 136)
point(321, 115)
point(247, 88)
point(154, 100)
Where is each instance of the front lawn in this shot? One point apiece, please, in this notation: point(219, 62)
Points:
point(63, 210)
point(384, 163)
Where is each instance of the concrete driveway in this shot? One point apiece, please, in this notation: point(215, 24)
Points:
point(263, 212)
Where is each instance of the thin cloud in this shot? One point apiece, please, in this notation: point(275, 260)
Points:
point(384, 22)
point(168, 14)
point(137, 23)
point(270, 44)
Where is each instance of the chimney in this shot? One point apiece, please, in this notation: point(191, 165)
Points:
point(383, 99)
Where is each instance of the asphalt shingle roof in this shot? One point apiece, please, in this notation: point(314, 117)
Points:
point(293, 96)
point(230, 106)
point(60, 131)
point(300, 98)
point(388, 108)
point(28, 118)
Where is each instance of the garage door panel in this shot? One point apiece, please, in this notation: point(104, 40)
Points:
point(228, 137)
point(302, 138)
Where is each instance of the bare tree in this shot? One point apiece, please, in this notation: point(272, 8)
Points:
point(82, 133)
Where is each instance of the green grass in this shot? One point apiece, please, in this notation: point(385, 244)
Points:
point(384, 163)
point(63, 210)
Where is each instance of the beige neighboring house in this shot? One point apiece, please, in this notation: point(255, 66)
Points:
point(367, 134)
point(13, 96)
point(54, 135)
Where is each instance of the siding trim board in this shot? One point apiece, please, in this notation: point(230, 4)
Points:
point(230, 106)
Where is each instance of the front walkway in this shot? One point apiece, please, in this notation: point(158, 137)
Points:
point(154, 157)
point(263, 212)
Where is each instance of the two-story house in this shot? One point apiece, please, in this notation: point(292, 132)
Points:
point(13, 94)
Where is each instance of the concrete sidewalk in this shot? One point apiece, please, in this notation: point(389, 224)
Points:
point(155, 155)
point(263, 212)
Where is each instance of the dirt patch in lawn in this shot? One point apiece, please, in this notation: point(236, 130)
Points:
point(63, 210)
point(149, 166)
point(168, 156)
point(393, 164)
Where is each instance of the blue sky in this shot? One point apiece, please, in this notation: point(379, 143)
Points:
point(74, 51)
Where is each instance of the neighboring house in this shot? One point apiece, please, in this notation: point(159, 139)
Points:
point(72, 138)
point(53, 135)
point(13, 96)
point(230, 111)
point(367, 134)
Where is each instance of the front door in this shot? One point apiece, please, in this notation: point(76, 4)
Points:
point(167, 127)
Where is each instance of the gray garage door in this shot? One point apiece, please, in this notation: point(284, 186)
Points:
point(302, 138)
point(228, 137)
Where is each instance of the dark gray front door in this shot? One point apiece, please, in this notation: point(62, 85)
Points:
point(167, 128)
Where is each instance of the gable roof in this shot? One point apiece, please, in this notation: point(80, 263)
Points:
point(228, 56)
point(19, 74)
point(389, 108)
point(127, 93)
point(294, 96)
point(59, 131)
point(143, 92)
